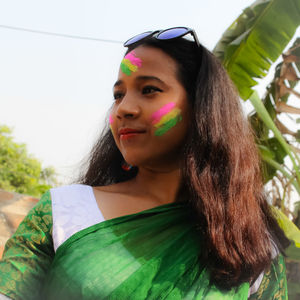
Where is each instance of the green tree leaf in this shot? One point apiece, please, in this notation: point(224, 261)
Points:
point(19, 171)
point(256, 39)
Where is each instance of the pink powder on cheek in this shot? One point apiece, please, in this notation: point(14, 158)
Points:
point(111, 120)
point(162, 111)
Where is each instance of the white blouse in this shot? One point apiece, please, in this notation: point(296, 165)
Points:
point(74, 208)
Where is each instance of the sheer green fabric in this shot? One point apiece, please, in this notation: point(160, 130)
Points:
point(149, 255)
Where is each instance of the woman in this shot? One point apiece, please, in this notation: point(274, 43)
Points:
point(171, 205)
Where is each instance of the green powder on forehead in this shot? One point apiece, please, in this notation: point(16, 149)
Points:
point(125, 69)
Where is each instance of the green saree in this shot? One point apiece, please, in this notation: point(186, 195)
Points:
point(149, 255)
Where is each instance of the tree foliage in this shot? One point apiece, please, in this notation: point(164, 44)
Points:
point(19, 171)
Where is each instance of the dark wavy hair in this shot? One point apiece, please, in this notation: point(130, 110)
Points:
point(220, 169)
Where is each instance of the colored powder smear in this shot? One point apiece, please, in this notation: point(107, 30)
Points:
point(130, 63)
point(166, 118)
point(162, 111)
point(111, 120)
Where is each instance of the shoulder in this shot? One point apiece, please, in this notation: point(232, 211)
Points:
point(52, 197)
point(28, 253)
point(70, 190)
point(39, 218)
point(75, 196)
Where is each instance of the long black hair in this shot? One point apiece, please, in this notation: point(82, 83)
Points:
point(220, 168)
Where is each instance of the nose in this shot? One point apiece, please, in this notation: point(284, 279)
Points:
point(128, 107)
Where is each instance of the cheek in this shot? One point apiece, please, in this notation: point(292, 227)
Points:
point(111, 121)
point(112, 125)
point(166, 118)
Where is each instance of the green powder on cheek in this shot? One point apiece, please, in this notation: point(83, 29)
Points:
point(168, 125)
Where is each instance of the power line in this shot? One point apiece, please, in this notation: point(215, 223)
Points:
point(60, 34)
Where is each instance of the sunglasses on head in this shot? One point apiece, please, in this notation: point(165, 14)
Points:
point(166, 34)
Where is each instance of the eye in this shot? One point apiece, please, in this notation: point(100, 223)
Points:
point(149, 89)
point(118, 95)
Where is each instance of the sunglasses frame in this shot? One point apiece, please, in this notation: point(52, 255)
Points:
point(157, 33)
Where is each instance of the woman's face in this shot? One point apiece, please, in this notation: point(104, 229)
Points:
point(149, 118)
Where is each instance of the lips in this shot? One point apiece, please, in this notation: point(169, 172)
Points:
point(126, 133)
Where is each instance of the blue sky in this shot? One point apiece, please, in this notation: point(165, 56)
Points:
point(55, 91)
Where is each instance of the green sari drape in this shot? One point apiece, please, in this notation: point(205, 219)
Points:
point(149, 255)
point(153, 254)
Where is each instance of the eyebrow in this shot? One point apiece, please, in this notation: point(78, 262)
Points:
point(119, 82)
point(141, 78)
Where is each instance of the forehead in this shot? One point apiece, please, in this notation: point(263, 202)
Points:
point(153, 62)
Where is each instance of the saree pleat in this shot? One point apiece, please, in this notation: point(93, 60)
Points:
point(153, 254)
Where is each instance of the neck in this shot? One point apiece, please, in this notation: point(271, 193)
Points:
point(161, 186)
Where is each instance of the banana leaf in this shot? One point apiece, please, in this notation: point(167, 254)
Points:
point(256, 39)
point(266, 118)
point(290, 229)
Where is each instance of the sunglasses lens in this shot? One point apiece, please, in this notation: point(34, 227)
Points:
point(137, 38)
point(172, 33)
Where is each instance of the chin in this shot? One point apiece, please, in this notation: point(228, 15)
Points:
point(131, 161)
point(134, 158)
point(135, 161)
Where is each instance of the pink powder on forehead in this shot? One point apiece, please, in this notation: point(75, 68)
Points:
point(162, 111)
point(133, 59)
